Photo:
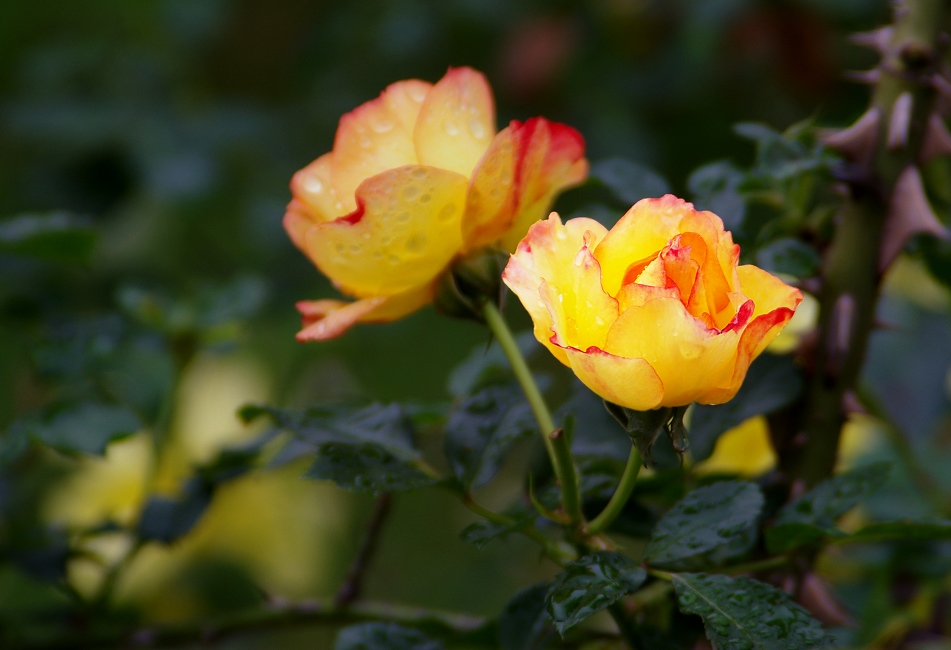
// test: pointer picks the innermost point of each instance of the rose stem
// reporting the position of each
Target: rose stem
(620, 496)
(560, 454)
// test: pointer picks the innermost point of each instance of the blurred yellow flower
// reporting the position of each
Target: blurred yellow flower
(744, 449)
(654, 312)
(416, 178)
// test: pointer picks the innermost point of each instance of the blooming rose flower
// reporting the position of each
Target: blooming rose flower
(416, 178)
(654, 312)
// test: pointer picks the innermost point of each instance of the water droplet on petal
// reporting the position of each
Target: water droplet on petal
(381, 126)
(410, 192)
(313, 184)
(450, 127)
(476, 128)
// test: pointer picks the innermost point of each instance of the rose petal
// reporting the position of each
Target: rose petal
(642, 232)
(404, 99)
(628, 382)
(543, 267)
(456, 122)
(517, 179)
(313, 188)
(687, 356)
(404, 233)
(327, 319)
(370, 139)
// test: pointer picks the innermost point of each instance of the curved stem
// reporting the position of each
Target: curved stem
(555, 441)
(556, 554)
(621, 494)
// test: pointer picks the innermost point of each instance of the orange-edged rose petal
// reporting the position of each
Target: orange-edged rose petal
(327, 319)
(516, 181)
(456, 122)
(628, 382)
(542, 269)
(403, 234)
(404, 99)
(313, 187)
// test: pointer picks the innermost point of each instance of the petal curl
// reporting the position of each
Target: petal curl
(517, 179)
(327, 319)
(641, 233)
(456, 122)
(629, 382)
(370, 139)
(687, 356)
(404, 232)
(542, 269)
(404, 99)
(313, 187)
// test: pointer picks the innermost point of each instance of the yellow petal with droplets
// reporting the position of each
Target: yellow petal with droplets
(404, 99)
(313, 187)
(688, 357)
(370, 139)
(403, 234)
(628, 382)
(456, 123)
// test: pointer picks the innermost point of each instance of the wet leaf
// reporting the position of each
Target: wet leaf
(629, 182)
(772, 382)
(590, 584)
(383, 636)
(744, 614)
(708, 526)
(366, 467)
(713, 187)
(482, 428)
(524, 623)
(906, 529)
(481, 533)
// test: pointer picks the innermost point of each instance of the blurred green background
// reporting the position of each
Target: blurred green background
(174, 126)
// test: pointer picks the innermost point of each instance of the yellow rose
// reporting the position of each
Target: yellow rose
(416, 178)
(654, 312)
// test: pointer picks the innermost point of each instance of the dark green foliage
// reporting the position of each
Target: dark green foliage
(744, 613)
(366, 467)
(589, 585)
(482, 428)
(383, 636)
(629, 182)
(707, 527)
(772, 382)
(789, 256)
(481, 533)
(813, 515)
(713, 187)
(57, 237)
(906, 529)
(87, 428)
(524, 623)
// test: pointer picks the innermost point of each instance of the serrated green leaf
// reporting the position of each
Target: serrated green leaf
(386, 426)
(832, 498)
(744, 614)
(366, 467)
(86, 429)
(708, 526)
(56, 236)
(628, 181)
(524, 623)
(590, 584)
(772, 382)
(790, 256)
(383, 636)
(482, 428)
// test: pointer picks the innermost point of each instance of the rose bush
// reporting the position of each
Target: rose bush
(416, 178)
(654, 312)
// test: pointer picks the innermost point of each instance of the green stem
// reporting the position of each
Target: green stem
(620, 496)
(555, 553)
(556, 443)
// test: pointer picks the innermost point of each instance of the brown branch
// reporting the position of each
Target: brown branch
(353, 585)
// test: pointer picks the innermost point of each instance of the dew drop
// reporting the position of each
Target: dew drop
(416, 243)
(599, 320)
(425, 198)
(402, 217)
(561, 297)
(355, 248)
(476, 128)
(410, 192)
(450, 127)
(313, 184)
(381, 126)
(393, 259)
(419, 173)
(447, 212)
(365, 141)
